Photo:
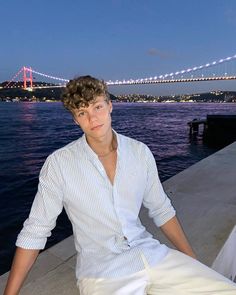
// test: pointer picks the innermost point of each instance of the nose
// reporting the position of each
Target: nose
(92, 116)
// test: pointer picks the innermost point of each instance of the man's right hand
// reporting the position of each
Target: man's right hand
(22, 263)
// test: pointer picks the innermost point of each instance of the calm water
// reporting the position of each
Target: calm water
(31, 131)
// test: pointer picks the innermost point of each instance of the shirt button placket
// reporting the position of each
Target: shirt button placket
(114, 194)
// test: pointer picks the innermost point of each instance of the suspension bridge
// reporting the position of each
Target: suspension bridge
(222, 69)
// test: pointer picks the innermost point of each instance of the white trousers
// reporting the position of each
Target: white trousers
(177, 274)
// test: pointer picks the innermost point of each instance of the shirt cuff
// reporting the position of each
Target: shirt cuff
(159, 221)
(27, 242)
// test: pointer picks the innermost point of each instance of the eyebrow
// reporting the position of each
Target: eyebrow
(93, 103)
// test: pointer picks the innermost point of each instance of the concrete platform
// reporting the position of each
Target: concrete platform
(204, 196)
(53, 272)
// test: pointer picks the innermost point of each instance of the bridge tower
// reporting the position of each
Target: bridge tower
(27, 76)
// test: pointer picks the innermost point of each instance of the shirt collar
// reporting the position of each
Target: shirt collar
(90, 153)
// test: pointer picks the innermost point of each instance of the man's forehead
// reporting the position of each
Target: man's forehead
(98, 98)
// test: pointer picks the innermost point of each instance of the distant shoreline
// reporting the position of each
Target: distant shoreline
(148, 101)
(54, 95)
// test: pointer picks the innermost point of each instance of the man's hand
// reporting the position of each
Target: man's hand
(22, 262)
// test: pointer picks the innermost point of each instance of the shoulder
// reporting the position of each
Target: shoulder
(66, 153)
(134, 145)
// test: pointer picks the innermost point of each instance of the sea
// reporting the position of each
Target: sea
(29, 132)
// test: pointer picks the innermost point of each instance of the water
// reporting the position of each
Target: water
(31, 131)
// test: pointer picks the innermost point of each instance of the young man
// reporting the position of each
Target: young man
(102, 179)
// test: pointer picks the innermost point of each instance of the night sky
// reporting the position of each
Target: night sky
(118, 39)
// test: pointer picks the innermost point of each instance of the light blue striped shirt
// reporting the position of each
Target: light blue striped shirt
(109, 237)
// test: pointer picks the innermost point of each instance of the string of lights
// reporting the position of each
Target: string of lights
(171, 75)
(214, 63)
(163, 77)
(151, 79)
(12, 80)
(48, 76)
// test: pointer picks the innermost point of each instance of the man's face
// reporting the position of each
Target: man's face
(95, 120)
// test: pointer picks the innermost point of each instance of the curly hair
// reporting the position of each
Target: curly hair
(83, 90)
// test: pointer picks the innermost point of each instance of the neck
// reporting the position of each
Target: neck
(103, 146)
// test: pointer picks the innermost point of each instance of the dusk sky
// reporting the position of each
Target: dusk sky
(118, 39)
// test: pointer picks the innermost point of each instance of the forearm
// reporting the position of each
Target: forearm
(22, 263)
(175, 234)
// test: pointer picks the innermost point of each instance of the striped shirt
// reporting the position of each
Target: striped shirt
(109, 237)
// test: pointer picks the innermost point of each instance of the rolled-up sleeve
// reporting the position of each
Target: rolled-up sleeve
(46, 207)
(155, 199)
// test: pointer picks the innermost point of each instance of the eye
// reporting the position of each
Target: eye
(81, 114)
(100, 106)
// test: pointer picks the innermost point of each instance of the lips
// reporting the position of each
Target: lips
(96, 127)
